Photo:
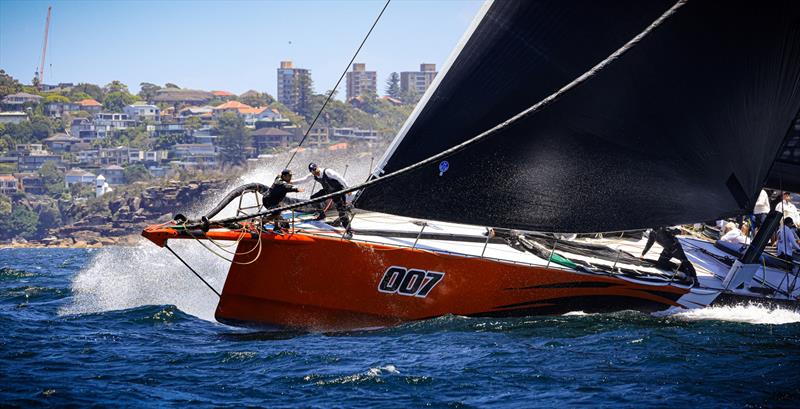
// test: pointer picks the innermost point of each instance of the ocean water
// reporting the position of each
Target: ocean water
(128, 327)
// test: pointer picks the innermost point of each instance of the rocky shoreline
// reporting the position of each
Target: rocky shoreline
(118, 220)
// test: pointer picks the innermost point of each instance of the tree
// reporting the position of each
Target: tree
(5, 206)
(52, 179)
(49, 217)
(304, 87)
(171, 85)
(89, 90)
(409, 96)
(234, 139)
(136, 172)
(41, 127)
(393, 85)
(55, 98)
(117, 100)
(22, 222)
(8, 85)
(256, 99)
(116, 86)
(147, 91)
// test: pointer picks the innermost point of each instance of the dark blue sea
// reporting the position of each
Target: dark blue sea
(130, 327)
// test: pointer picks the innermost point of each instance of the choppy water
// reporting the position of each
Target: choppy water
(126, 327)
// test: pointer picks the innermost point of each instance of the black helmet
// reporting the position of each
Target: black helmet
(286, 172)
(312, 167)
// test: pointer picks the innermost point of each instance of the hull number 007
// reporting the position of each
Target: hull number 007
(410, 282)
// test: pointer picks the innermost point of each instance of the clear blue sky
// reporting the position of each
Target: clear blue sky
(229, 45)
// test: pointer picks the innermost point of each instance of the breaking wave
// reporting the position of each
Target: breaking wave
(750, 314)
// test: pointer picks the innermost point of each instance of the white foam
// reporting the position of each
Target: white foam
(751, 314)
(128, 277)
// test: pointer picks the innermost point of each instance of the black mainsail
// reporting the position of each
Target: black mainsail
(683, 127)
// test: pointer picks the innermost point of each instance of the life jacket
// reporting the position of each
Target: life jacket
(328, 183)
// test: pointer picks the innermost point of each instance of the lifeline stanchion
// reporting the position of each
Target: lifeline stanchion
(192, 270)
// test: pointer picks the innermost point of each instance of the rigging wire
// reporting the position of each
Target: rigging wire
(333, 91)
(457, 148)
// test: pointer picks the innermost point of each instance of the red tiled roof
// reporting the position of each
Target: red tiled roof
(89, 103)
(233, 105)
(223, 93)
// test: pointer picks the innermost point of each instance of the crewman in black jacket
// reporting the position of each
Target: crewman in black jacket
(672, 249)
(277, 192)
(331, 182)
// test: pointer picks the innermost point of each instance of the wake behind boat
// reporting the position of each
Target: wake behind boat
(672, 114)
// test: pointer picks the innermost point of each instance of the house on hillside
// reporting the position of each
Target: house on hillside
(21, 98)
(114, 174)
(80, 176)
(8, 184)
(57, 109)
(267, 138)
(182, 96)
(31, 183)
(225, 95)
(13, 117)
(89, 105)
(60, 142)
(141, 111)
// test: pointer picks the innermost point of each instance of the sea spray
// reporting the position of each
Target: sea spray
(128, 277)
(745, 313)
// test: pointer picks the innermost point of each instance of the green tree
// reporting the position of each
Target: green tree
(171, 85)
(136, 172)
(5, 206)
(8, 85)
(116, 86)
(256, 99)
(89, 90)
(51, 98)
(49, 218)
(192, 124)
(52, 178)
(21, 223)
(409, 96)
(393, 85)
(147, 91)
(304, 88)
(78, 96)
(41, 127)
(117, 100)
(234, 139)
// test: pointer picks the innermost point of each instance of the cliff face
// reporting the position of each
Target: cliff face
(119, 217)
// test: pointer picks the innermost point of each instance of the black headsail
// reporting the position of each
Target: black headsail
(683, 127)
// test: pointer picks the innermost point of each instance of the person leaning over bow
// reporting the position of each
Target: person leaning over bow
(331, 182)
(275, 195)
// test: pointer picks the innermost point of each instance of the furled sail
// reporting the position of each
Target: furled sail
(683, 127)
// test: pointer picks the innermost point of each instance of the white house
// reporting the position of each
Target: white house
(140, 111)
(78, 175)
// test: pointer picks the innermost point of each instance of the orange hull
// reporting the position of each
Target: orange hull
(321, 283)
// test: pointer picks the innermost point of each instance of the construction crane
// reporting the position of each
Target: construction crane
(39, 77)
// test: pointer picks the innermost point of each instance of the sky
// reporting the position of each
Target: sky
(232, 45)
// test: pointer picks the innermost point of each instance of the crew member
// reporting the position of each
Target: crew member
(331, 182)
(277, 192)
(732, 234)
(672, 249)
(760, 210)
(788, 244)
